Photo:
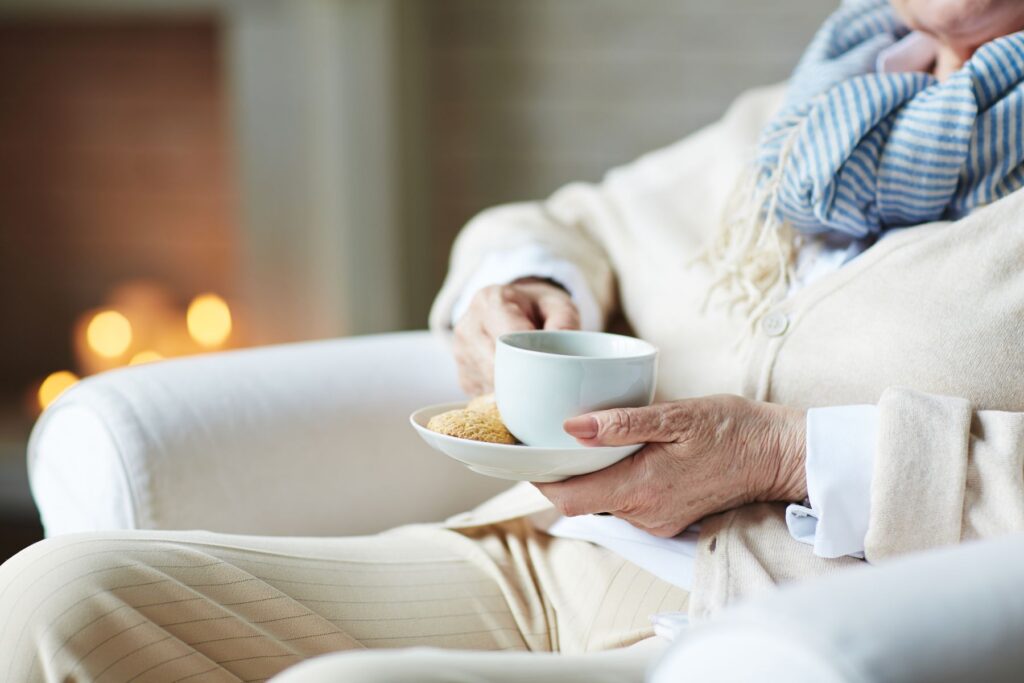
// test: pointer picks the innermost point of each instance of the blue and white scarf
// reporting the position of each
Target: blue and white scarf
(859, 152)
(853, 152)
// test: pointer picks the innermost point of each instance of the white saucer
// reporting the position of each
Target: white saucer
(519, 462)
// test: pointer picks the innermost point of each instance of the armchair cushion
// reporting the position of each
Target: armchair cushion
(299, 439)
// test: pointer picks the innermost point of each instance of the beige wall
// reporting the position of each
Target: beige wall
(524, 96)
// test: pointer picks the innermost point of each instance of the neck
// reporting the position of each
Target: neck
(947, 62)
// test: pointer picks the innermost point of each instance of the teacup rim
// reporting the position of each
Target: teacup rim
(650, 350)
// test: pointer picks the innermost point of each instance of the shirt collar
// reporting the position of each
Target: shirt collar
(914, 52)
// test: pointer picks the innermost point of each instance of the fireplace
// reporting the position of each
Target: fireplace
(118, 233)
(116, 200)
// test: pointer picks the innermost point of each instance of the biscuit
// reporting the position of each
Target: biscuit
(476, 425)
(484, 404)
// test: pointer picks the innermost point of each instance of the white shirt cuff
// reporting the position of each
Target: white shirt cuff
(531, 260)
(840, 460)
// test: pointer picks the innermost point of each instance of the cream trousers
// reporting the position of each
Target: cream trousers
(198, 607)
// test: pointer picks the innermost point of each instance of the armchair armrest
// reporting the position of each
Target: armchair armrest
(949, 614)
(307, 439)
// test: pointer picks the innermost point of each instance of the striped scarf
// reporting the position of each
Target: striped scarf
(857, 152)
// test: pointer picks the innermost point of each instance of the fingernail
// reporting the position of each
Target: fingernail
(582, 427)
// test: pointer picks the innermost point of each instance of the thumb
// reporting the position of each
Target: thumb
(622, 426)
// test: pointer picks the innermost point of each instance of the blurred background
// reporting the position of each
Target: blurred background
(182, 176)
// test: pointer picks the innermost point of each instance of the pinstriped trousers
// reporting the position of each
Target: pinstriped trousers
(197, 607)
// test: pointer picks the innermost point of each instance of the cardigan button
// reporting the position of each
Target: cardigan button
(775, 324)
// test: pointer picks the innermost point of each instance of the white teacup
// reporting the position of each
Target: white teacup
(542, 378)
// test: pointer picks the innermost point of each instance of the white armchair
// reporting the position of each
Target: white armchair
(950, 615)
(312, 439)
(301, 439)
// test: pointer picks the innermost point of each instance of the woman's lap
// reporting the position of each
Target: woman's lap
(165, 606)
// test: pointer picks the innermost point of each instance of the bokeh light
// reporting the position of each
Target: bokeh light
(109, 334)
(147, 356)
(54, 385)
(209, 320)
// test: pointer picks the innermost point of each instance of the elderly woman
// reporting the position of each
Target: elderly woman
(844, 307)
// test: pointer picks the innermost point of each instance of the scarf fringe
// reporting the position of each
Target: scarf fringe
(753, 255)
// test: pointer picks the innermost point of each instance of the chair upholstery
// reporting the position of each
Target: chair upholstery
(948, 615)
(302, 439)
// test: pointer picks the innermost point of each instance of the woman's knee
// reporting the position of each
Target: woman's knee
(48, 567)
(60, 591)
(57, 564)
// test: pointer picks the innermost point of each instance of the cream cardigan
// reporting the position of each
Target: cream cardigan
(927, 324)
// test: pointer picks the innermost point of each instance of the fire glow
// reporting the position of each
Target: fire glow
(209, 320)
(109, 334)
(54, 385)
(141, 324)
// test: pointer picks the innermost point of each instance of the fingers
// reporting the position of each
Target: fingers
(657, 423)
(591, 493)
(475, 360)
(558, 312)
(507, 310)
(497, 310)
(551, 304)
(471, 377)
(632, 489)
(493, 312)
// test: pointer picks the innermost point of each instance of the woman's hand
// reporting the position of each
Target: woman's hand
(703, 456)
(526, 304)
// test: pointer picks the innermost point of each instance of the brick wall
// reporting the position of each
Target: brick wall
(114, 164)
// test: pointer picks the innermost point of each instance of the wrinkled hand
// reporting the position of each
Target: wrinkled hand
(527, 304)
(703, 455)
